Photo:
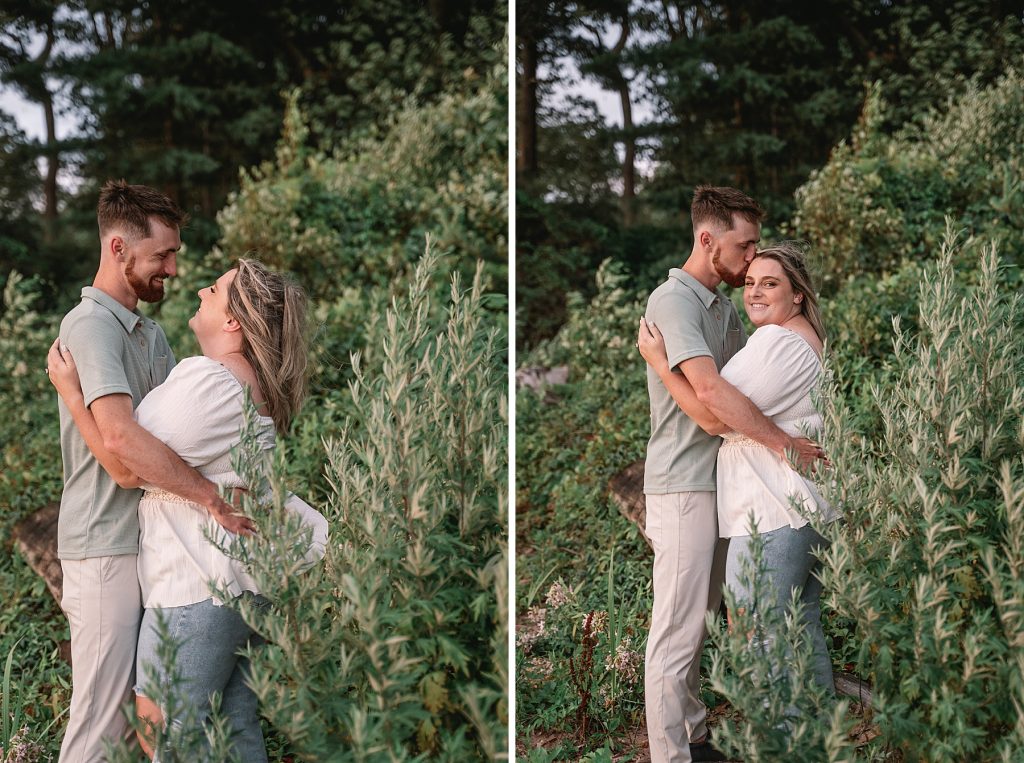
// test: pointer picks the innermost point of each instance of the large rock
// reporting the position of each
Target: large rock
(627, 490)
(36, 539)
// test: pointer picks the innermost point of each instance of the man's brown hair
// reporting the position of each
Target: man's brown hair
(719, 203)
(129, 208)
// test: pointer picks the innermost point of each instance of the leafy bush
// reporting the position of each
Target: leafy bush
(762, 665)
(395, 646)
(36, 687)
(872, 204)
(931, 503)
(358, 215)
(30, 428)
(882, 199)
(561, 244)
(572, 543)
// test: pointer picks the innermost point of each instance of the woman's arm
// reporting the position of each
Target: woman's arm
(60, 367)
(652, 348)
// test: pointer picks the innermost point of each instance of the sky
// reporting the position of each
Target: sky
(29, 116)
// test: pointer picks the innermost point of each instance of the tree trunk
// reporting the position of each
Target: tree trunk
(628, 139)
(36, 538)
(526, 117)
(42, 95)
(52, 165)
(627, 491)
(629, 160)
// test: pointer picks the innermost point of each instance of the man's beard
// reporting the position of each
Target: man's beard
(147, 292)
(734, 279)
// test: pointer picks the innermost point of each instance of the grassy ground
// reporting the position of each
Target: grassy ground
(33, 634)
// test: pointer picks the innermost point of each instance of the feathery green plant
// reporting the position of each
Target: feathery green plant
(395, 645)
(762, 665)
(928, 562)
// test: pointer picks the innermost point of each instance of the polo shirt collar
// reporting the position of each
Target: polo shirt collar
(128, 318)
(705, 295)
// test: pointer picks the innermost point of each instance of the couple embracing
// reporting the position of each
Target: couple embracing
(725, 411)
(131, 418)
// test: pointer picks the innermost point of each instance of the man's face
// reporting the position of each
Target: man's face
(150, 260)
(732, 250)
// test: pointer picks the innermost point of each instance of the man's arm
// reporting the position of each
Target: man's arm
(736, 411)
(86, 424)
(651, 344)
(686, 398)
(62, 374)
(156, 464)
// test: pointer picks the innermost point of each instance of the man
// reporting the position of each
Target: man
(702, 332)
(120, 356)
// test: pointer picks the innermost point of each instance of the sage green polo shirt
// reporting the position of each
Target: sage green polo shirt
(695, 322)
(116, 351)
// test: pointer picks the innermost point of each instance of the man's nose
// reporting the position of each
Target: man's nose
(171, 266)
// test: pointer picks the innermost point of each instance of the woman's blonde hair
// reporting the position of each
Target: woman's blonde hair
(271, 309)
(790, 255)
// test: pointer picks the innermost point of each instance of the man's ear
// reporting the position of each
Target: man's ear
(117, 247)
(706, 238)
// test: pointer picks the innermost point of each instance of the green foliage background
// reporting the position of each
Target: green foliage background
(399, 235)
(917, 229)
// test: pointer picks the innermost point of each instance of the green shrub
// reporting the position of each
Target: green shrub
(395, 646)
(883, 199)
(358, 215)
(930, 504)
(762, 665)
(29, 429)
(577, 557)
(872, 205)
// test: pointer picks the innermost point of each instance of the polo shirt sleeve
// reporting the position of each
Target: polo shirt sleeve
(678, 317)
(96, 343)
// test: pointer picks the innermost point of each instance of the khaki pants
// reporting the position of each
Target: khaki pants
(689, 567)
(104, 607)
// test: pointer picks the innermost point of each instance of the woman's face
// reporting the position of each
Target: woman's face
(768, 293)
(212, 315)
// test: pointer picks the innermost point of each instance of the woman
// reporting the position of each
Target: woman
(251, 328)
(776, 370)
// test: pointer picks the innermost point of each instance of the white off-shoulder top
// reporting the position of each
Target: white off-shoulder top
(198, 413)
(777, 370)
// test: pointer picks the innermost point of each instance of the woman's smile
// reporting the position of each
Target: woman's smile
(768, 294)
